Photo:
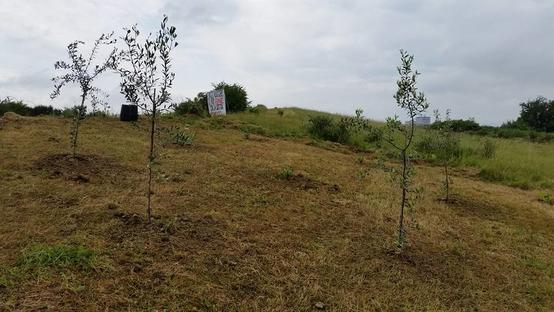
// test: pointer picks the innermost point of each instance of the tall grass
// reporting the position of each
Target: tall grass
(516, 162)
(293, 122)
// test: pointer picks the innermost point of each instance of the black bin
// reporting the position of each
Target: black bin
(128, 113)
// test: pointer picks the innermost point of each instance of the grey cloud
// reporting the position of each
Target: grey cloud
(478, 58)
(207, 12)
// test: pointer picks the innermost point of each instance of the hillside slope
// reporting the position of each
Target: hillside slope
(230, 235)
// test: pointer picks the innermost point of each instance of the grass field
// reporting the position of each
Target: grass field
(517, 162)
(230, 235)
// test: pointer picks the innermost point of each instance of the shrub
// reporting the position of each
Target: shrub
(285, 173)
(41, 110)
(18, 107)
(458, 125)
(323, 127)
(68, 112)
(355, 131)
(489, 149)
(435, 148)
(180, 136)
(197, 106)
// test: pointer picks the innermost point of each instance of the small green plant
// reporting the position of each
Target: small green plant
(489, 148)
(280, 112)
(546, 198)
(285, 173)
(57, 256)
(181, 136)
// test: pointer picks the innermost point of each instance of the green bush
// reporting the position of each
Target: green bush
(180, 136)
(354, 131)
(489, 149)
(440, 149)
(68, 112)
(285, 173)
(457, 125)
(197, 106)
(18, 107)
(41, 110)
(325, 128)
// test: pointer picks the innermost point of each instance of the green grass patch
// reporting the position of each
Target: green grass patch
(57, 256)
(514, 162)
(291, 123)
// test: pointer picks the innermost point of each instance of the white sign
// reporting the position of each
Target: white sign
(216, 102)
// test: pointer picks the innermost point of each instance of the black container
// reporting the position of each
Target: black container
(128, 113)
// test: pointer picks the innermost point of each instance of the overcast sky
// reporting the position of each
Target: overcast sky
(478, 58)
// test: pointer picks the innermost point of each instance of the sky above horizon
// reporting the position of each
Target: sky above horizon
(477, 58)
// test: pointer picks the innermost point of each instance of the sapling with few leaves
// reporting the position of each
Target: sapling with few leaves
(447, 149)
(145, 69)
(83, 71)
(401, 135)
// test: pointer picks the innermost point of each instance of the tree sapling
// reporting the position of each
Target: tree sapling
(81, 70)
(400, 136)
(147, 78)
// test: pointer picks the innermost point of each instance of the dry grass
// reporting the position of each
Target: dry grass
(229, 235)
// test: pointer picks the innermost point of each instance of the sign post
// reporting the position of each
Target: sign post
(216, 102)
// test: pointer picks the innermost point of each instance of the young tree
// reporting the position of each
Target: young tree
(147, 78)
(400, 136)
(442, 144)
(81, 70)
(447, 150)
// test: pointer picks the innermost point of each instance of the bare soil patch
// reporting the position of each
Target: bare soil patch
(304, 182)
(81, 168)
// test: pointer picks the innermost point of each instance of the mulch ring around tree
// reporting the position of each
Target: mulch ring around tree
(81, 168)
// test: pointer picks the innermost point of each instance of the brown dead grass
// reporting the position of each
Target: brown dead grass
(228, 235)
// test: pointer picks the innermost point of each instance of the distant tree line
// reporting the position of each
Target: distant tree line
(535, 123)
(19, 107)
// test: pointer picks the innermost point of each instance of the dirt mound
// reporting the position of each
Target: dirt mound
(81, 168)
(10, 116)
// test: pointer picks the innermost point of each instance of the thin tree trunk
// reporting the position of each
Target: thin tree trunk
(447, 182)
(76, 123)
(151, 163)
(403, 204)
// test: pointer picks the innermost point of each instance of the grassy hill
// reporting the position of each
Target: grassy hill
(260, 223)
